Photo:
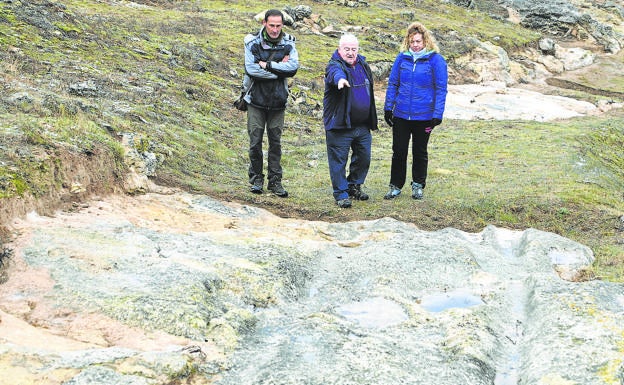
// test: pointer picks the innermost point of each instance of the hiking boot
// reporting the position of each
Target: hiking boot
(256, 188)
(393, 193)
(356, 193)
(417, 190)
(344, 203)
(277, 189)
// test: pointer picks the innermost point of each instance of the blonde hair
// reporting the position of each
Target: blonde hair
(419, 28)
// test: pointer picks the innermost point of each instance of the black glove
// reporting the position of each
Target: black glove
(435, 122)
(389, 117)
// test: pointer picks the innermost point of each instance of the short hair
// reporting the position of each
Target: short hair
(273, 12)
(348, 37)
(418, 28)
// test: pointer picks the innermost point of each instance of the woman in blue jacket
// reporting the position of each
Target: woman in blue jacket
(414, 105)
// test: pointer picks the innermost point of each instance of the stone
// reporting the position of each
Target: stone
(493, 100)
(87, 89)
(575, 57)
(487, 62)
(19, 98)
(547, 46)
(162, 288)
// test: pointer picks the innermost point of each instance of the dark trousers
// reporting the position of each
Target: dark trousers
(401, 133)
(358, 140)
(257, 121)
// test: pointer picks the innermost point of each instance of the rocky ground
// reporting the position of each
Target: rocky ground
(180, 288)
(498, 102)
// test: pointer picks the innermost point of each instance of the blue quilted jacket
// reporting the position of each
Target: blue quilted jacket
(417, 89)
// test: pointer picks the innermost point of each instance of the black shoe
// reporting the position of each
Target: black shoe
(277, 189)
(355, 192)
(344, 203)
(256, 188)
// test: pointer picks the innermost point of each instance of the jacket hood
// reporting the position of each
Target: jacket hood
(409, 54)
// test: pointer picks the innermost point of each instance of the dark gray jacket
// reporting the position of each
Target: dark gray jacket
(269, 87)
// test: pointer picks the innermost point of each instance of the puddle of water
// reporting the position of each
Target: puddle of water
(373, 313)
(558, 257)
(453, 299)
(508, 371)
(307, 348)
(507, 241)
(509, 374)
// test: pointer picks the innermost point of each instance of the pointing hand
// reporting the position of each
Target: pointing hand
(342, 83)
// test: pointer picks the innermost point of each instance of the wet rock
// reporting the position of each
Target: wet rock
(584, 21)
(155, 289)
(494, 100)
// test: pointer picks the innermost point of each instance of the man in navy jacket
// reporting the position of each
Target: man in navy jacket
(349, 115)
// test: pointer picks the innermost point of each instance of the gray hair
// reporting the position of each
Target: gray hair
(347, 38)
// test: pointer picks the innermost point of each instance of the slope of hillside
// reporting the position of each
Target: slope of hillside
(84, 81)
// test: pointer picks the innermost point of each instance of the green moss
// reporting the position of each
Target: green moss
(609, 373)
(67, 28)
(35, 137)
(20, 186)
(11, 184)
(6, 15)
(188, 318)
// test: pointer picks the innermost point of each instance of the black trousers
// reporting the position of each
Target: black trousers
(402, 131)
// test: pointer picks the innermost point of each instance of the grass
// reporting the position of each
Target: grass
(168, 72)
(513, 174)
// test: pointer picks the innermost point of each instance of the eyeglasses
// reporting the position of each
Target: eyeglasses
(349, 49)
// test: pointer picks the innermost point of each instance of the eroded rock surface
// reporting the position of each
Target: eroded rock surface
(494, 101)
(160, 288)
